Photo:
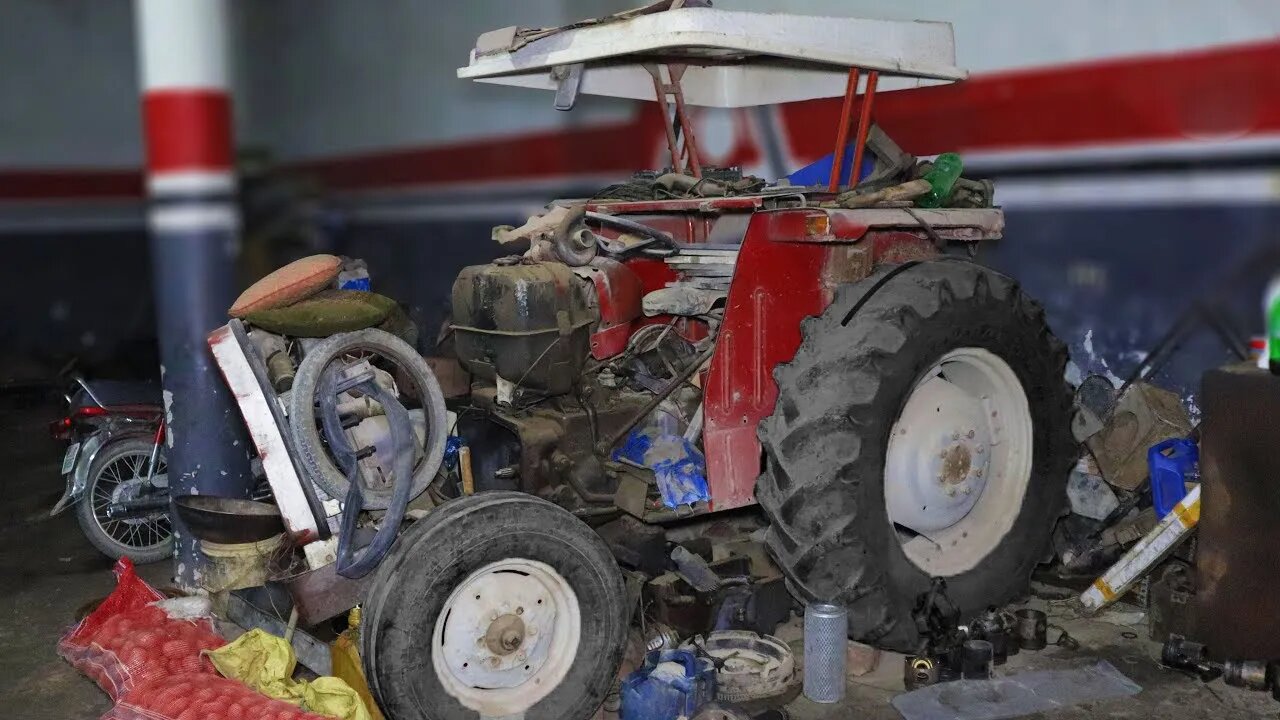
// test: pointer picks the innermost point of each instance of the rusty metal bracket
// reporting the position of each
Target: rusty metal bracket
(688, 160)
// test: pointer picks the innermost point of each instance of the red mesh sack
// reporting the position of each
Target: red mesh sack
(296, 281)
(129, 641)
(199, 696)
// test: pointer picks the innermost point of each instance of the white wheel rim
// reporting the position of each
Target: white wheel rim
(506, 636)
(959, 461)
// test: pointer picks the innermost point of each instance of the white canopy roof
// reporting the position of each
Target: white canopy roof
(736, 59)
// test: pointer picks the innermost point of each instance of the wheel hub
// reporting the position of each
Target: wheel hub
(506, 636)
(939, 457)
(958, 460)
(131, 489)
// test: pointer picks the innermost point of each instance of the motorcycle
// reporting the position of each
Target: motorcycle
(114, 468)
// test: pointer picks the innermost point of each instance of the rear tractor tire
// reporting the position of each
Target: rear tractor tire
(921, 430)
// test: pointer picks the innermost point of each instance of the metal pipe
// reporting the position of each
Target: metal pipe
(864, 126)
(690, 144)
(842, 131)
(633, 226)
(660, 91)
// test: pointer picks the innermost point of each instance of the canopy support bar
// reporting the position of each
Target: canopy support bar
(662, 90)
(846, 119)
(842, 131)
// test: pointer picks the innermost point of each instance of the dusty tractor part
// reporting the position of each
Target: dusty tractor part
(918, 672)
(1247, 674)
(418, 386)
(751, 669)
(825, 658)
(1180, 653)
(497, 604)
(1030, 629)
(572, 241)
(991, 626)
(976, 660)
(955, 365)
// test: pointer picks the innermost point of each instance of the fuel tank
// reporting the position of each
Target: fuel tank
(528, 323)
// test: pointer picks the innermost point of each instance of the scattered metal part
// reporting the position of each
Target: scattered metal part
(976, 660)
(991, 626)
(1064, 639)
(749, 667)
(1180, 653)
(918, 672)
(826, 629)
(1248, 674)
(312, 653)
(568, 79)
(1030, 629)
(1129, 635)
(661, 637)
(694, 570)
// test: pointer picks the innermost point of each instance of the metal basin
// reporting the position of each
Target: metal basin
(228, 520)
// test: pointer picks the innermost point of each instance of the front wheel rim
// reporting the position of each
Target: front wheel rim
(959, 461)
(506, 636)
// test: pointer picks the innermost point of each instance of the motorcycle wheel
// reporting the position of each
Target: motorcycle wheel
(119, 472)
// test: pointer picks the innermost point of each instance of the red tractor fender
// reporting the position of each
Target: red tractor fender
(789, 265)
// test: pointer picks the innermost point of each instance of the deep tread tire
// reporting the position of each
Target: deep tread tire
(439, 552)
(825, 444)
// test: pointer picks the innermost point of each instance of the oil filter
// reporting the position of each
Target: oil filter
(826, 637)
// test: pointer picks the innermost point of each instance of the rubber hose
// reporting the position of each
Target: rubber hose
(349, 563)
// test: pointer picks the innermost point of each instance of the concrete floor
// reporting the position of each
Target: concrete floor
(48, 571)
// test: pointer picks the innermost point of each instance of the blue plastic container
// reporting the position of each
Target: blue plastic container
(1170, 462)
(647, 695)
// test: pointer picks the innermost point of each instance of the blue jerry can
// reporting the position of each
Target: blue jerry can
(672, 684)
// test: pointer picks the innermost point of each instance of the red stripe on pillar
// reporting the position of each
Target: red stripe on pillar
(187, 130)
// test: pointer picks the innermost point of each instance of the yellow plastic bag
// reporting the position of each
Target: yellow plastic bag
(266, 663)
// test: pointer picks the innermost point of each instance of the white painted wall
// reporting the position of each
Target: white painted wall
(68, 87)
(322, 77)
(334, 76)
(1005, 34)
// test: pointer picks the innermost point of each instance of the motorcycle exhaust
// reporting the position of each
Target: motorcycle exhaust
(137, 508)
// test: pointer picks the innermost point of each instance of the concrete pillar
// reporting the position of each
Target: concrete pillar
(194, 225)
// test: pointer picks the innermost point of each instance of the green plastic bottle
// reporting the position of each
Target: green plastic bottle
(1271, 310)
(946, 170)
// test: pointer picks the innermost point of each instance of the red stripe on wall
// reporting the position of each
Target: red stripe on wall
(622, 147)
(187, 130)
(69, 184)
(1214, 94)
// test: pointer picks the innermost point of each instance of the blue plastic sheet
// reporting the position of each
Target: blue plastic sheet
(677, 464)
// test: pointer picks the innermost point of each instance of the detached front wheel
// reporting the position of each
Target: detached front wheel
(493, 605)
(922, 430)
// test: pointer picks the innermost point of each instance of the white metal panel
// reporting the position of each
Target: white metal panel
(273, 451)
(775, 57)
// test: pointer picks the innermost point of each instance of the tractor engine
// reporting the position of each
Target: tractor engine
(565, 369)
